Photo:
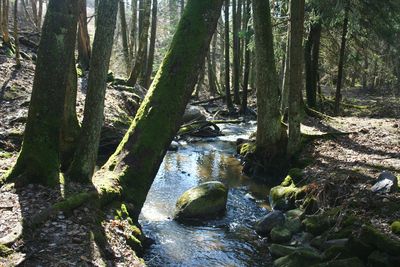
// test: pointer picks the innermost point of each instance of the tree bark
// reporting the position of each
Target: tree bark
(133, 38)
(135, 163)
(286, 75)
(271, 137)
(85, 156)
(140, 60)
(228, 98)
(236, 53)
(124, 35)
(6, 35)
(312, 63)
(338, 95)
(295, 80)
(35, 12)
(39, 159)
(16, 40)
(152, 46)
(84, 49)
(246, 56)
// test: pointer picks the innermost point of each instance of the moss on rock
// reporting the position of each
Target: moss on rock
(283, 196)
(280, 234)
(395, 226)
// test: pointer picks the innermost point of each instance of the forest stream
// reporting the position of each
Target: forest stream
(228, 241)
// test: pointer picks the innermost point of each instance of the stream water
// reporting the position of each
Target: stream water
(228, 241)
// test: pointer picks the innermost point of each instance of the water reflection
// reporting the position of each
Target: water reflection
(228, 241)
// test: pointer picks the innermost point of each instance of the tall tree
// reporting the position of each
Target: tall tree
(271, 136)
(85, 157)
(159, 117)
(124, 35)
(295, 76)
(246, 49)
(338, 95)
(312, 62)
(236, 52)
(132, 44)
(16, 40)
(84, 49)
(140, 61)
(152, 46)
(286, 74)
(6, 35)
(228, 98)
(39, 159)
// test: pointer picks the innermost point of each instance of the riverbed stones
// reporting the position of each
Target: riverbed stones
(283, 196)
(278, 250)
(387, 183)
(193, 113)
(265, 224)
(351, 262)
(280, 234)
(206, 201)
(298, 259)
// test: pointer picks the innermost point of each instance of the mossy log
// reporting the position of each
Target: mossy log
(131, 170)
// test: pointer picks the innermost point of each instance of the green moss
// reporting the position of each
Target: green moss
(336, 252)
(284, 195)
(6, 155)
(280, 234)
(374, 238)
(395, 226)
(351, 262)
(5, 251)
(74, 201)
(247, 148)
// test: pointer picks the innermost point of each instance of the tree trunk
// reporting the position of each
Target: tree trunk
(338, 95)
(35, 12)
(246, 57)
(39, 159)
(84, 49)
(236, 53)
(70, 125)
(124, 35)
(296, 78)
(6, 36)
(271, 137)
(140, 60)
(153, 33)
(137, 159)
(40, 14)
(85, 157)
(312, 63)
(16, 40)
(132, 45)
(228, 98)
(286, 75)
(1, 18)
(182, 6)
(210, 74)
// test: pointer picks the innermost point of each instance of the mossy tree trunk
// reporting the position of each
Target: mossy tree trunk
(70, 124)
(135, 163)
(84, 49)
(152, 46)
(296, 74)
(271, 136)
(85, 156)
(39, 159)
(140, 60)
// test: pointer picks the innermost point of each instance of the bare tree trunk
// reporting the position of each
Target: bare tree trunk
(210, 74)
(84, 49)
(124, 35)
(246, 57)
(159, 116)
(228, 98)
(140, 60)
(286, 75)
(85, 156)
(6, 36)
(35, 12)
(312, 63)
(40, 14)
(236, 53)
(132, 45)
(16, 40)
(338, 95)
(153, 33)
(296, 55)
(1, 18)
(182, 6)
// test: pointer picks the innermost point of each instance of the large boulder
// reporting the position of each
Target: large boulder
(269, 221)
(283, 196)
(208, 200)
(193, 113)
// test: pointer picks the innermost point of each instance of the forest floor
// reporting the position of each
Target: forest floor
(344, 168)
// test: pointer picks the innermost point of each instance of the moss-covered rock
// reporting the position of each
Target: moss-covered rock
(379, 259)
(374, 238)
(283, 196)
(293, 225)
(5, 251)
(336, 252)
(351, 262)
(269, 221)
(204, 201)
(277, 250)
(295, 214)
(298, 259)
(316, 224)
(296, 173)
(280, 234)
(395, 226)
